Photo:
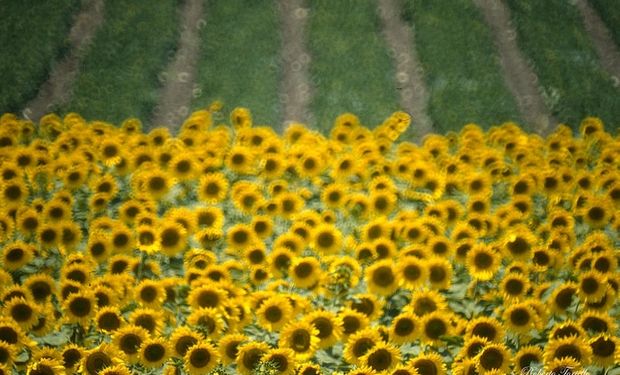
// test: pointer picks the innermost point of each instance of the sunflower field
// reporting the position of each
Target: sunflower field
(230, 249)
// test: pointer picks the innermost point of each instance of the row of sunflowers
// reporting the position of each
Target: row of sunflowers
(230, 249)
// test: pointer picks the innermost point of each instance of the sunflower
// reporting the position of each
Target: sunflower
(305, 271)
(289, 204)
(110, 150)
(213, 187)
(8, 353)
(154, 352)
(329, 327)
(482, 262)
(424, 302)
(41, 286)
(147, 318)
(108, 319)
(172, 237)
(274, 313)
(16, 255)
(514, 286)
(23, 311)
(597, 322)
(80, 307)
(240, 236)
(605, 350)
(521, 318)
(228, 347)
(240, 159)
(381, 357)
(301, 337)
(382, 278)
(208, 321)
(128, 340)
(28, 221)
(200, 358)
(565, 365)
(72, 354)
(527, 356)
(13, 192)
(121, 238)
(97, 359)
(249, 356)
(273, 166)
(78, 272)
(493, 357)
(155, 183)
(596, 213)
(434, 326)
(359, 343)
(150, 293)
(592, 286)
(70, 235)
(485, 327)
(429, 363)
(282, 359)
(326, 239)
(46, 366)
(566, 329)
(574, 347)
(439, 272)
(405, 328)
(183, 166)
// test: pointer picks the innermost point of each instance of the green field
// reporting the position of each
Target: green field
(119, 75)
(33, 35)
(351, 68)
(609, 11)
(461, 65)
(239, 58)
(566, 62)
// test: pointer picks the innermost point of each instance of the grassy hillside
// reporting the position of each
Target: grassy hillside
(33, 35)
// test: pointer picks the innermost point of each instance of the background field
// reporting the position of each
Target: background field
(350, 68)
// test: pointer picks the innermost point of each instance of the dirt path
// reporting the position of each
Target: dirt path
(175, 97)
(520, 78)
(607, 50)
(57, 89)
(295, 87)
(409, 73)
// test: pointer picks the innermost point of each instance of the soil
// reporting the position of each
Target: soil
(295, 87)
(520, 78)
(607, 50)
(409, 74)
(176, 94)
(57, 89)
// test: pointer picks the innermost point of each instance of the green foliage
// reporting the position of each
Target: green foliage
(351, 68)
(461, 64)
(239, 58)
(609, 11)
(118, 76)
(33, 34)
(565, 61)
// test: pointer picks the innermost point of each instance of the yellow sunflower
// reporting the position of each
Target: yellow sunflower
(301, 337)
(429, 363)
(128, 340)
(283, 359)
(228, 347)
(213, 187)
(381, 357)
(274, 313)
(16, 255)
(249, 355)
(382, 278)
(154, 352)
(482, 262)
(200, 358)
(329, 327)
(405, 327)
(305, 271)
